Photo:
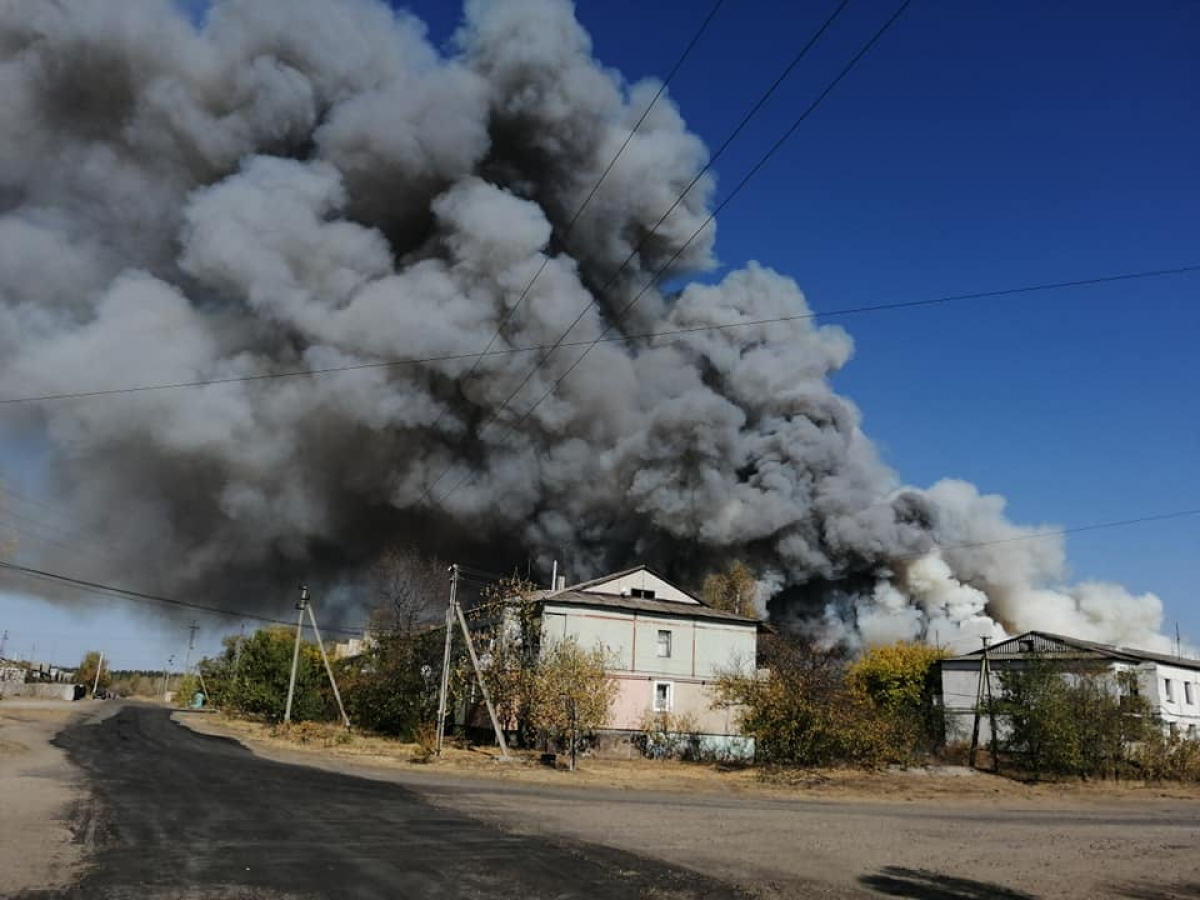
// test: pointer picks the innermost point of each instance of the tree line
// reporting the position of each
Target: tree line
(807, 704)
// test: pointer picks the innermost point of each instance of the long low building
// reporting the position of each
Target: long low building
(1171, 684)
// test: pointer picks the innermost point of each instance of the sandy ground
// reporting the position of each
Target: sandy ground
(40, 792)
(914, 835)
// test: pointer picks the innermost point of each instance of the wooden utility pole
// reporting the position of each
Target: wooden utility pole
(445, 684)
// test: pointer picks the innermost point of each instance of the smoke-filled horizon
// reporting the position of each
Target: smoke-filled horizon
(312, 184)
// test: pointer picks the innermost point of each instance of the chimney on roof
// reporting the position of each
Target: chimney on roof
(560, 583)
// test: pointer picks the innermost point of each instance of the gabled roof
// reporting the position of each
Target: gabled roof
(1062, 646)
(624, 573)
(572, 597)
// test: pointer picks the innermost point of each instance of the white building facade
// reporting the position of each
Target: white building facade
(665, 650)
(1171, 684)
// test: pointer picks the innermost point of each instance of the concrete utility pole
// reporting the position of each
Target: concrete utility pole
(237, 654)
(487, 699)
(3, 641)
(167, 677)
(99, 668)
(983, 696)
(301, 605)
(187, 659)
(445, 684)
(337, 695)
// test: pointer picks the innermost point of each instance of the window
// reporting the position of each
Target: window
(644, 593)
(1188, 698)
(664, 644)
(663, 696)
(1169, 689)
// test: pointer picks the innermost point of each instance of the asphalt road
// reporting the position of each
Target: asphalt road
(182, 815)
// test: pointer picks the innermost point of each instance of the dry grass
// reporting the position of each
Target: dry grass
(940, 785)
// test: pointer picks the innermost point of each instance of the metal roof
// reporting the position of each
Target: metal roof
(1063, 646)
(572, 597)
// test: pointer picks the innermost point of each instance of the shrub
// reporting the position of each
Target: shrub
(663, 735)
(425, 735)
(1168, 757)
(801, 712)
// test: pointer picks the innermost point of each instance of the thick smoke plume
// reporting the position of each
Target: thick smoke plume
(311, 184)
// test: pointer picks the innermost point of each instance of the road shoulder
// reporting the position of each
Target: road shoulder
(43, 833)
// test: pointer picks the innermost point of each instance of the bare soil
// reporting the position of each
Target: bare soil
(954, 784)
(40, 791)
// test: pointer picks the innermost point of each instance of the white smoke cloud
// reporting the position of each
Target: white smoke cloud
(311, 184)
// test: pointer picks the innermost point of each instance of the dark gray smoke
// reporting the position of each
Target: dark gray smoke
(311, 184)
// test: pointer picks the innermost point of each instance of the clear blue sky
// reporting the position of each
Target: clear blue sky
(979, 146)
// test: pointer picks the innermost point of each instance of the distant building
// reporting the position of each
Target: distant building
(12, 672)
(666, 648)
(1171, 684)
(352, 647)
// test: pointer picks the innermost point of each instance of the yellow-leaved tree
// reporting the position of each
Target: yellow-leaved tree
(900, 681)
(733, 590)
(572, 693)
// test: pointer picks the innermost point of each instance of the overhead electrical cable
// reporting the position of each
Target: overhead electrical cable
(645, 238)
(566, 232)
(92, 586)
(630, 338)
(653, 279)
(98, 587)
(1056, 532)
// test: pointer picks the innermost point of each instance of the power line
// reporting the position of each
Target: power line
(592, 193)
(652, 280)
(1059, 532)
(142, 596)
(753, 111)
(630, 338)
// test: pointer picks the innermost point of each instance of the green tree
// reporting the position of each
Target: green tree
(733, 590)
(85, 674)
(572, 693)
(1066, 717)
(392, 687)
(251, 677)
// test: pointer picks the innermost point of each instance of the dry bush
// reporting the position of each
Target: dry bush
(1165, 757)
(425, 735)
(664, 735)
(322, 734)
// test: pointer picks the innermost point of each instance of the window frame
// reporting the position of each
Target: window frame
(670, 696)
(1169, 690)
(659, 645)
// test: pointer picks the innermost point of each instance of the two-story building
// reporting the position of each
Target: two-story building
(1170, 684)
(665, 649)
